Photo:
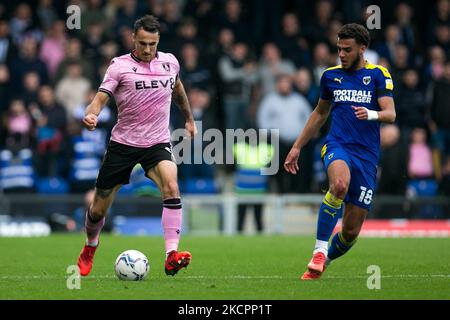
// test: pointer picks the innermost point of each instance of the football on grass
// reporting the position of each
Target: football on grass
(132, 265)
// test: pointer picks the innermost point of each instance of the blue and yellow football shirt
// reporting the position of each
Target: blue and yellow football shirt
(359, 88)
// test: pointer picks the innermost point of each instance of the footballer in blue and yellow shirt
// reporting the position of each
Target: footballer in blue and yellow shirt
(358, 95)
(355, 88)
(351, 138)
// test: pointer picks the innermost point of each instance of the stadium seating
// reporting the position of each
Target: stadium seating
(85, 165)
(427, 188)
(52, 185)
(16, 171)
(200, 186)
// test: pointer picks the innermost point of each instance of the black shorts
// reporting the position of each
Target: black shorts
(120, 159)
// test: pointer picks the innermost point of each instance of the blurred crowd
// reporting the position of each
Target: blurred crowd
(245, 64)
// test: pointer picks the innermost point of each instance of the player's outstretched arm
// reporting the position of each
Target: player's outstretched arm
(316, 120)
(387, 113)
(181, 100)
(93, 110)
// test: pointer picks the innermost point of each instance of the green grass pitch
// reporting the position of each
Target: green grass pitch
(238, 267)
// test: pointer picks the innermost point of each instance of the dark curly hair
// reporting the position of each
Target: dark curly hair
(148, 22)
(355, 31)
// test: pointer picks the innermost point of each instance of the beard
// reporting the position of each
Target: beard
(355, 64)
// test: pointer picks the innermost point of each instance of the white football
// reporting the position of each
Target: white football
(132, 265)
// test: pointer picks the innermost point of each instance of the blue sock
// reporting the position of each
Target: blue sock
(339, 246)
(329, 214)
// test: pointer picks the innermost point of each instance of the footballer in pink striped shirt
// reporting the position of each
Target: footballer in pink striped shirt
(143, 83)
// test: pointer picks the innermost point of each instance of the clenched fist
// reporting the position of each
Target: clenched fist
(191, 129)
(90, 121)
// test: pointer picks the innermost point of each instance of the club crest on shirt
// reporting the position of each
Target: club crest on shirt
(166, 66)
(366, 80)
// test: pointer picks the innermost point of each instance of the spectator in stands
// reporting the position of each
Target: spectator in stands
(401, 63)
(387, 47)
(53, 46)
(170, 22)
(251, 157)
(292, 41)
(93, 40)
(408, 32)
(19, 127)
(126, 40)
(319, 22)
(93, 14)
(287, 111)
(233, 19)
(304, 85)
(193, 72)
(238, 74)
(51, 122)
(321, 61)
(74, 54)
(5, 90)
(126, 15)
(22, 24)
(72, 89)
(420, 163)
(440, 112)
(393, 170)
(155, 7)
(440, 15)
(442, 37)
(355, 11)
(27, 61)
(332, 35)
(222, 46)
(271, 66)
(203, 114)
(202, 12)
(265, 19)
(188, 34)
(410, 103)
(7, 46)
(46, 14)
(435, 66)
(422, 172)
(109, 50)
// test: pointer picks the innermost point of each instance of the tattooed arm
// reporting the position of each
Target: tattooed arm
(181, 100)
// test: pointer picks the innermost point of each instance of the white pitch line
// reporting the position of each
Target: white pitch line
(325, 276)
(43, 277)
(393, 276)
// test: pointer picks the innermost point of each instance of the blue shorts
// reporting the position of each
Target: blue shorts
(363, 173)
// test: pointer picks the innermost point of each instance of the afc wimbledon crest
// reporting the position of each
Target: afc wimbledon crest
(366, 80)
